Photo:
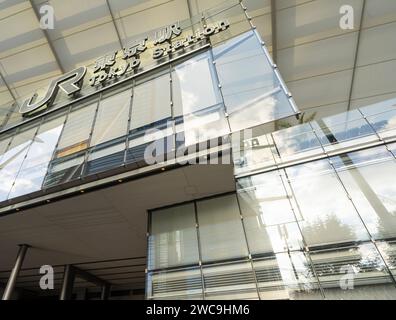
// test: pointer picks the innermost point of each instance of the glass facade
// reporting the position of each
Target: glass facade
(324, 229)
(313, 211)
(313, 217)
(146, 120)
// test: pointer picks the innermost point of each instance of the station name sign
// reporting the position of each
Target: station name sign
(166, 42)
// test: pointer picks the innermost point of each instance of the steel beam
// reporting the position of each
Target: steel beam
(115, 26)
(274, 32)
(15, 271)
(356, 55)
(68, 282)
(105, 294)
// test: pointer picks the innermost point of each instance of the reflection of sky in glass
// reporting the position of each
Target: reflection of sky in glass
(11, 162)
(328, 215)
(251, 90)
(296, 139)
(366, 175)
(268, 213)
(34, 167)
(194, 87)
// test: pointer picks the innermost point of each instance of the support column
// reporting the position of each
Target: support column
(15, 271)
(68, 282)
(105, 294)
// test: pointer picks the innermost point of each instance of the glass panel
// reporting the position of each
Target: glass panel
(150, 146)
(382, 116)
(297, 142)
(198, 111)
(74, 140)
(173, 237)
(112, 118)
(108, 140)
(12, 159)
(250, 154)
(229, 281)
(388, 252)
(327, 215)
(202, 126)
(220, 229)
(353, 273)
(35, 165)
(368, 176)
(286, 276)
(392, 148)
(151, 102)
(150, 137)
(384, 124)
(268, 217)
(344, 130)
(252, 92)
(77, 130)
(177, 284)
(194, 86)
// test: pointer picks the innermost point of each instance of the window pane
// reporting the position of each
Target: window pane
(353, 273)
(35, 165)
(220, 229)
(202, 126)
(177, 284)
(73, 143)
(77, 129)
(229, 281)
(112, 118)
(13, 158)
(194, 86)
(198, 111)
(252, 92)
(327, 215)
(388, 252)
(382, 116)
(297, 142)
(392, 148)
(344, 130)
(368, 176)
(151, 115)
(267, 214)
(108, 140)
(151, 102)
(286, 276)
(250, 154)
(173, 237)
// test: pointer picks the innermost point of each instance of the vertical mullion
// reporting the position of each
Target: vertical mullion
(88, 151)
(199, 249)
(146, 271)
(26, 154)
(57, 144)
(129, 122)
(247, 245)
(172, 104)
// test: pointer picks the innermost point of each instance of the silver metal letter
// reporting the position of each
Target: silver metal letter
(69, 83)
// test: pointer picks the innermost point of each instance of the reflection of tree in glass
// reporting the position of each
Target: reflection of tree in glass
(327, 229)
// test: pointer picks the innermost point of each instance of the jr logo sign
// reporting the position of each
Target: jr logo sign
(69, 83)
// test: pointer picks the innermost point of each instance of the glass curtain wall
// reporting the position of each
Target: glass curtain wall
(185, 106)
(320, 230)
